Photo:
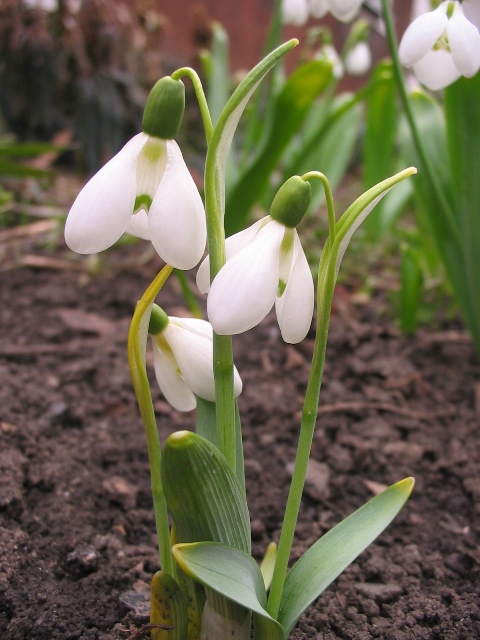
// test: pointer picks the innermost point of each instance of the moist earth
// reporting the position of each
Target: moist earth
(77, 537)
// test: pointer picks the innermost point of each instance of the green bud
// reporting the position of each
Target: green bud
(158, 320)
(291, 202)
(164, 109)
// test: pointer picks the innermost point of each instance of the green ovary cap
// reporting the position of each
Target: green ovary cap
(164, 109)
(158, 320)
(291, 202)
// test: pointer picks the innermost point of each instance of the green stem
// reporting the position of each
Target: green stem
(136, 362)
(312, 175)
(422, 154)
(202, 100)
(326, 286)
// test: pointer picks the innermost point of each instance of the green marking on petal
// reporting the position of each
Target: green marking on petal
(282, 285)
(142, 202)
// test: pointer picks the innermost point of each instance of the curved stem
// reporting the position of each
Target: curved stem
(422, 154)
(312, 175)
(202, 100)
(326, 286)
(136, 362)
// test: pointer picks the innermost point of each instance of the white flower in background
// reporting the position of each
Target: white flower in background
(44, 5)
(359, 59)
(183, 360)
(294, 12)
(441, 46)
(328, 52)
(148, 175)
(343, 10)
(265, 266)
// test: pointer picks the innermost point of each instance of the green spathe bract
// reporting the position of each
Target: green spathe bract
(164, 109)
(158, 320)
(291, 202)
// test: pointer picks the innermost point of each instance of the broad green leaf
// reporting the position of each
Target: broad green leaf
(462, 110)
(219, 80)
(203, 495)
(329, 556)
(380, 134)
(291, 107)
(231, 573)
(168, 609)
(205, 420)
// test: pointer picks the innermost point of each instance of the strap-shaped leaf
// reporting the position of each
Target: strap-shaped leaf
(203, 495)
(168, 609)
(329, 556)
(291, 107)
(233, 574)
(228, 120)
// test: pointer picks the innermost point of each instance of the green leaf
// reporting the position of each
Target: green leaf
(222, 137)
(231, 573)
(291, 107)
(268, 564)
(380, 134)
(338, 548)
(168, 609)
(219, 80)
(462, 110)
(205, 420)
(411, 282)
(203, 495)
(359, 210)
(16, 169)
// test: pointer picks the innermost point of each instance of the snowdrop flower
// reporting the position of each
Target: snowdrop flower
(328, 52)
(343, 10)
(295, 12)
(183, 359)
(441, 46)
(265, 266)
(145, 190)
(359, 59)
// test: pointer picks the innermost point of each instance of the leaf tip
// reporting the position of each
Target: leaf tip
(406, 485)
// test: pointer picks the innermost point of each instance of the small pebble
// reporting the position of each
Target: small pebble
(137, 604)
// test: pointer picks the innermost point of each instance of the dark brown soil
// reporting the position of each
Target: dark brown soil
(77, 540)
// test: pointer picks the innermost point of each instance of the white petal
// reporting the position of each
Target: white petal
(138, 225)
(295, 308)
(421, 35)
(151, 166)
(244, 290)
(344, 10)
(100, 214)
(294, 12)
(194, 356)
(436, 70)
(464, 41)
(359, 59)
(177, 217)
(171, 383)
(233, 244)
(195, 325)
(318, 8)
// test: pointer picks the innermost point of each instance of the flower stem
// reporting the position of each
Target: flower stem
(202, 100)
(326, 286)
(137, 337)
(402, 89)
(311, 175)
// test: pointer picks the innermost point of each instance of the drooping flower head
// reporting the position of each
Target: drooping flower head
(441, 46)
(183, 359)
(145, 190)
(296, 12)
(265, 266)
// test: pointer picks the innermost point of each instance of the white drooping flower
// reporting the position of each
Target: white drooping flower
(359, 59)
(295, 12)
(145, 190)
(183, 361)
(265, 266)
(441, 46)
(329, 53)
(343, 10)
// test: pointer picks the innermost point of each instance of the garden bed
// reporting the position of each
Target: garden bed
(77, 538)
